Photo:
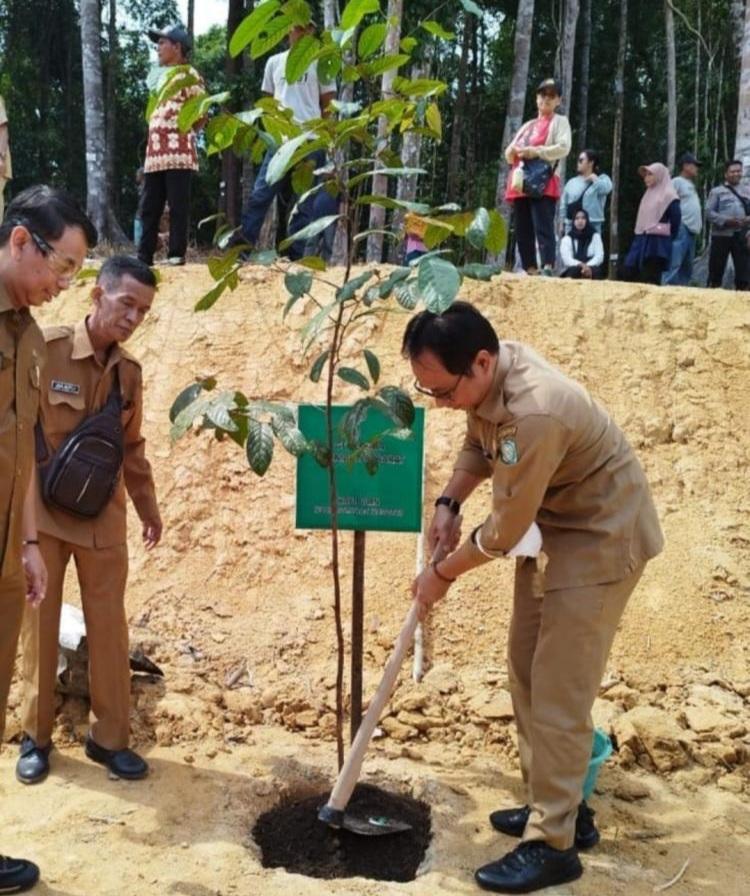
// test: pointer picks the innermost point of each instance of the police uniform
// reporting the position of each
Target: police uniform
(22, 354)
(75, 384)
(555, 457)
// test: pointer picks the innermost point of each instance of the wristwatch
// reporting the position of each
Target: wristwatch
(451, 503)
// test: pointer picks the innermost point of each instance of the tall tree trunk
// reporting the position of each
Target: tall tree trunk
(517, 97)
(231, 165)
(742, 136)
(671, 86)
(380, 182)
(93, 94)
(459, 111)
(583, 86)
(614, 208)
(191, 18)
(567, 58)
(111, 107)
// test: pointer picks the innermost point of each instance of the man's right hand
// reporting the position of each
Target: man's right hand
(445, 529)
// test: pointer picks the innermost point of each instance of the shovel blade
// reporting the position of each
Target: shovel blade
(374, 826)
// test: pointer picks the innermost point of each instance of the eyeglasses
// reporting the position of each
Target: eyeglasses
(583, 158)
(439, 394)
(65, 268)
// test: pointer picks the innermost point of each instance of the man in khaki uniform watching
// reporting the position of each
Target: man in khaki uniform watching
(556, 459)
(77, 381)
(6, 172)
(43, 243)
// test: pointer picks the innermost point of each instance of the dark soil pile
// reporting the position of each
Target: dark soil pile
(291, 837)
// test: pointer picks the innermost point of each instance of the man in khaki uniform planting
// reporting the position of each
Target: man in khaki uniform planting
(556, 458)
(78, 379)
(43, 242)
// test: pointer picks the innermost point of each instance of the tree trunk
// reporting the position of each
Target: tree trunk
(96, 178)
(567, 58)
(459, 112)
(742, 137)
(671, 86)
(617, 138)
(111, 108)
(231, 165)
(379, 182)
(517, 97)
(583, 87)
(330, 14)
(191, 18)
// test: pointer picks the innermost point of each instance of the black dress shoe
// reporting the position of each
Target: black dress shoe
(531, 866)
(33, 763)
(123, 763)
(17, 875)
(513, 823)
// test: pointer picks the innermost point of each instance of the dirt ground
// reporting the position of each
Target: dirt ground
(235, 606)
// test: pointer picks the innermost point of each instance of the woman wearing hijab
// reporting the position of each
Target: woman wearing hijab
(545, 137)
(656, 226)
(581, 249)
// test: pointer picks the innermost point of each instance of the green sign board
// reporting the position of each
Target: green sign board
(388, 501)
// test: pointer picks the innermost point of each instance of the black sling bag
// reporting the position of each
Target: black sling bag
(81, 476)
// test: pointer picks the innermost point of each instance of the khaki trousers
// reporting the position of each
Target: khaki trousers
(12, 601)
(557, 654)
(102, 575)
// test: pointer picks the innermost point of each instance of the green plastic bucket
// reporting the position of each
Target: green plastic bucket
(601, 748)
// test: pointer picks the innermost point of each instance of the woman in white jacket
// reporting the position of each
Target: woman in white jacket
(582, 250)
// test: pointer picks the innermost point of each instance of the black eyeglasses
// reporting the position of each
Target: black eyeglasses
(65, 268)
(439, 394)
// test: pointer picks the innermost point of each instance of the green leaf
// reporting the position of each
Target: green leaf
(282, 158)
(419, 87)
(272, 34)
(438, 282)
(384, 64)
(434, 120)
(471, 6)
(399, 403)
(297, 284)
(480, 271)
(408, 44)
(406, 295)
(265, 257)
(310, 231)
(497, 235)
(386, 172)
(317, 369)
(298, 11)
(212, 296)
(350, 375)
(373, 365)
(251, 26)
(301, 57)
(185, 398)
(352, 421)
(259, 447)
(290, 436)
(437, 29)
(321, 452)
(217, 412)
(397, 275)
(314, 262)
(303, 177)
(355, 11)
(479, 228)
(371, 39)
(349, 289)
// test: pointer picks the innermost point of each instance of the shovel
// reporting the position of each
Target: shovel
(334, 812)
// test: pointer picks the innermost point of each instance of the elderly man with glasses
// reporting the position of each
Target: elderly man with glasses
(43, 243)
(556, 459)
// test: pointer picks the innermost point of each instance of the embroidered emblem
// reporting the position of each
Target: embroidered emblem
(508, 450)
(65, 388)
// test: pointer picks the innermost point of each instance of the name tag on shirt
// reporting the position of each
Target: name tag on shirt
(65, 388)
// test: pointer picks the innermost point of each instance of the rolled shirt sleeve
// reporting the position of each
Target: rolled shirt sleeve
(529, 453)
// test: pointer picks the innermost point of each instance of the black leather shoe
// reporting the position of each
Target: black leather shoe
(33, 763)
(531, 866)
(123, 763)
(513, 823)
(17, 875)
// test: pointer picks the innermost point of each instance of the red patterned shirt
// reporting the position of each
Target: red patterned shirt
(168, 147)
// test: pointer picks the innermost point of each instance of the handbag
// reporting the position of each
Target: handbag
(572, 208)
(81, 476)
(536, 175)
(663, 228)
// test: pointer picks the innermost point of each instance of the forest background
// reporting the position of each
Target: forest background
(671, 81)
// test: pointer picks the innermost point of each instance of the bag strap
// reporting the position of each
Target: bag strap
(113, 405)
(744, 201)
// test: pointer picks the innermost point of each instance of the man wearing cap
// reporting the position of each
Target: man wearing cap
(5, 168)
(43, 243)
(308, 99)
(171, 156)
(84, 363)
(556, 459)
(728, 211)
(680, 271)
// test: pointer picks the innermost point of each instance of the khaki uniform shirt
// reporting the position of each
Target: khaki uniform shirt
(21, 358)
(74, 386)
(556, 457)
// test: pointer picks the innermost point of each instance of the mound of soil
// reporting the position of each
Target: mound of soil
(291, 837)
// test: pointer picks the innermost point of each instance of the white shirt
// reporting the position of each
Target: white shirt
(595, 252)
(303, 96)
